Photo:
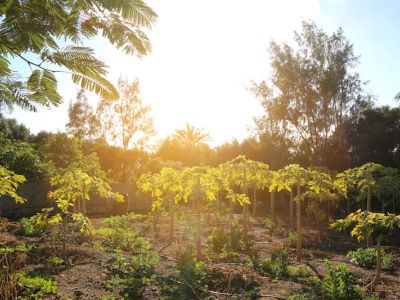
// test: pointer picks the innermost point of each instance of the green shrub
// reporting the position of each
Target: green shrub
(134, 273)
(304, 296)
(124, 239)
(28, 227)
(235, 241)
(366, 258)
(274, 227)
(123, 222)
(17, 248)
(276, 266)
(292, 239)
(218, 240)
(34, 286)
(340, 284)
(192, 275)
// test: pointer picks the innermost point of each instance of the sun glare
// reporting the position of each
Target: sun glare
(205, 54)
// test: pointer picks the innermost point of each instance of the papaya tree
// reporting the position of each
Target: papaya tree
(295, 176)
(172, 191)
(389, 187)
(346, 186)
(367, 179)
(152, 184)
(369, 225)
(70, 186)
(9, 182)
(260, 178)
(220, 177)
(241, 174)
(199, 186)
(320, 190)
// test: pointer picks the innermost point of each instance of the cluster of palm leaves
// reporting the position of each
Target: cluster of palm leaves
(48, 35)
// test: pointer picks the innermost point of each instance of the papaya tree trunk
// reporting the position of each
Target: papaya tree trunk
(254, 202)
(377, 277)
(64, 242)
(394, 204)
(369, 209)
(245, 223)
(369, 199)
(273, 206)
(171, 221)
(298, 225)
(291, 209)
(198, 229)
(217, 211)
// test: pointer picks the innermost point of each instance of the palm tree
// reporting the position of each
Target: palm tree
(191, 136)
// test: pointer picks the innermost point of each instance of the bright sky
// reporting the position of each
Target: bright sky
(205, 53)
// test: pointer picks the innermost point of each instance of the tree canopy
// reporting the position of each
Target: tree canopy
(49, 37)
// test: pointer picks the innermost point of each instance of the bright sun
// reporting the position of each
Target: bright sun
(205, 54)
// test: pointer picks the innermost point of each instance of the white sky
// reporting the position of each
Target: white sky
(205, 53)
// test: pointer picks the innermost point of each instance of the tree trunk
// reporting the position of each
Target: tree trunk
(171, 221)
(394, 204)
(254, 202)
(298, 217)
(64, 243)
(245, 223)
(369, 209)
(198, 229)
(369, 199)
(348, 205)
(273, 206)
(291, 209)
(328, 213)
(377, 277)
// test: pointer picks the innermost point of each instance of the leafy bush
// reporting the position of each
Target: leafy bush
(217, 240)
(340, 284)
(17, 248)
(366, 258)
(33, 285)
(123, 222)
(28, 227)
(192, 275)
(276, 266)
(124, 239)
(134, 273)
(274, 227)
(292, 239)
(304, 296)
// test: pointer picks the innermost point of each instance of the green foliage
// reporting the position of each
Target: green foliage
(120, 232)
(292, 239)
(127, 221)
(192, 275)
(366, 258)
(217, 240)
(21, 158)
(38, 224)
(127, 240)
(276, 266)
(9, 182)
(367, 224)
(274, 227)
(35, 286)
(340, 284)
(304, 296)
(27, 228)
(134, 273)
(31, 32)
(18, 248)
